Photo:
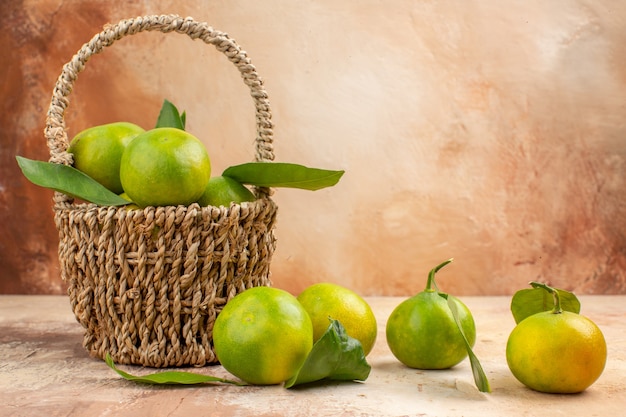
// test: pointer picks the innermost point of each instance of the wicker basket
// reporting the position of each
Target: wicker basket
(148, 284)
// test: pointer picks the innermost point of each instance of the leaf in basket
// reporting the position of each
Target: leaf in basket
(282, 174)
(335, 356)
(68, 180)
(169, 377)
(169, 116)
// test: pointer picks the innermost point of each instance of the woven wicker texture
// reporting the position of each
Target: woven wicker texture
(148, 284)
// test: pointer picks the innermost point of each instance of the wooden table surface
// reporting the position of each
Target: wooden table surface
(44, 371)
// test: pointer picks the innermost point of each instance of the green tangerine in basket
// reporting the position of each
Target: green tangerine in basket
(164, 166)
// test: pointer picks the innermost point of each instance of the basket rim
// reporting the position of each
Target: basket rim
(86, 207)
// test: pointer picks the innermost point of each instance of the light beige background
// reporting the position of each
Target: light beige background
(490, 131)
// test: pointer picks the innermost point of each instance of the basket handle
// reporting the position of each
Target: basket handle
(55, 131)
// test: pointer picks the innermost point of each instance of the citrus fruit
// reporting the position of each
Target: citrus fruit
(221, 191)
(131, 206)
(326, 300)
(126, 197)
(165, 167)
(422, 333)
(98, 150)
(556, 351)
(263, 336)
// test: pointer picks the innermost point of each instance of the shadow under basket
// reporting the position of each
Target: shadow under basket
(147, 284)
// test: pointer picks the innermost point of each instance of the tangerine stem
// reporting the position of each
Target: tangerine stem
(431, 276)
(555, 295)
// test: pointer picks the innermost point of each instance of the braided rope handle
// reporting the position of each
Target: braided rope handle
(55, 131)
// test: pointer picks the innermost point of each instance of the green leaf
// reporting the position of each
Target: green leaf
(170, 117)
(170, 377)
(283, 174)
(68, 180)
(480, 379)
(335, 356)
(530, 301)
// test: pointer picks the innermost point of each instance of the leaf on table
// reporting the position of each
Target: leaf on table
(283, 174)
(335, 356)
(68, 180)
(530, 301)
(170, 377)
(169, 116)
(480, 379)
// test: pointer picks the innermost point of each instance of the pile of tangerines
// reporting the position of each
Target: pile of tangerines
(264, 335)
